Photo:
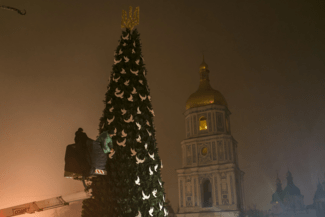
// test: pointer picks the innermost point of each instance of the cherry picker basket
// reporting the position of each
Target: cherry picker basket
(87, 158)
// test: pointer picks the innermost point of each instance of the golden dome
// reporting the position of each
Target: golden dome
(203, 65)
(205, 95)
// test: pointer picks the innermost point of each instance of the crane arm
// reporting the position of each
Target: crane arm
(42, 205)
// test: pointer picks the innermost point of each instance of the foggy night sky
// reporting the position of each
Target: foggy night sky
(265, 57)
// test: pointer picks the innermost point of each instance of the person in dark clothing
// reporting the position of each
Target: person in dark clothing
(81, 137)
(81, 143)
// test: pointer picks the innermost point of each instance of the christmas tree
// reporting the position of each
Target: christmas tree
(133, 185)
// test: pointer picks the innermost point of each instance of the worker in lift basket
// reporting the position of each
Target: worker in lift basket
(103, 139)
(91, 150)
(81, 143)
(81, 137)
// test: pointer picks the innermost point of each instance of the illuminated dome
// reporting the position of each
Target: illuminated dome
(203, 65)
(205, 95)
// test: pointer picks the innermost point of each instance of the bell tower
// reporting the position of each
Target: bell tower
(210, 180)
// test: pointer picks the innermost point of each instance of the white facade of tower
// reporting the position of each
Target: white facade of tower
(210, 182)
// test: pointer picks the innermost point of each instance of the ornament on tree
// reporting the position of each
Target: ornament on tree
(149, 97)
(123, 71)
(123, 111)
(101, 126)
(116, 80)
(123, 134)
(130, 98)
(111, 154)
(141, 82)
(145, 197)
(137, 182)
(109, 121)
(152, 156)
(121, 143)
(117, 90)
(142, 97)
(116, 61)
(119, 95)
(149, 133)
(154, 192)
(146, 146)
(151, 111)
(134, 91)
(134, 72)
(138, 111)
(129, 120)
(139, 139)
(124, 44)
(156, 167)
(138, 160)
(160, 206)
(166, 212)
(111, 109)
(138, 125)
(111, 135)
(137, 62)
(127, 83)
(160, 183)
(151, 211)
(133, 51)
(133, 152)
(120, 52)
(110, 101)
(126, 59)
(126, 37)
(161, 164)
(139, 214)
(148, 123)
(150, 171)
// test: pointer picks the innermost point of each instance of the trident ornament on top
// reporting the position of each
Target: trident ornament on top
(130, 22)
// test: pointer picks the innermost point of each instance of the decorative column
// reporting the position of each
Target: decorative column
(182, 192)
(234, 187)
(219, 188)
(196, 190)
(229, 188)
(213, 190)
(184, 155)
(242, 188)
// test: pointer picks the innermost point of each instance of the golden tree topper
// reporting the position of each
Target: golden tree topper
(130, 22)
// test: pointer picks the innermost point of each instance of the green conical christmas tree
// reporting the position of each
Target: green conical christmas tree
(133, 185)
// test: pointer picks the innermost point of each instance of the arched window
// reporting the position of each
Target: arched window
(206, 194)
(203, 123)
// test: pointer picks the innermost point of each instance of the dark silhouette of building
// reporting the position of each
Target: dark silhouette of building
(290, 202)
(319, 200)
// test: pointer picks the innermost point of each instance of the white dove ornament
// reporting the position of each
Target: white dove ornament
(151, 211)
(137, 182)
